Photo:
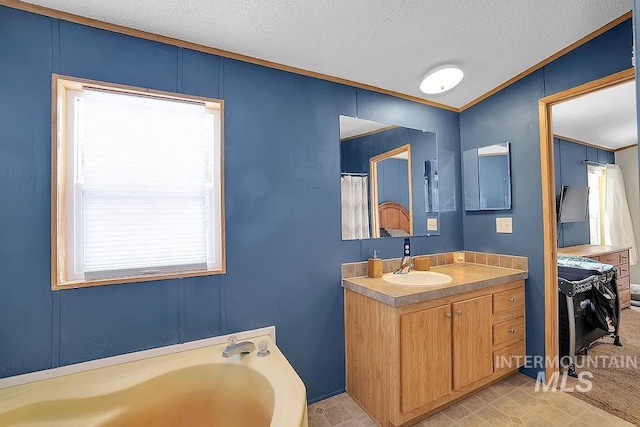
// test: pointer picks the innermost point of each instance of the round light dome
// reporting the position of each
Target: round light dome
(441, 79)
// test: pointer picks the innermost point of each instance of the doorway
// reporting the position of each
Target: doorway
(549, 204)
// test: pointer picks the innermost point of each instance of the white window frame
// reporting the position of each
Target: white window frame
(66, 231)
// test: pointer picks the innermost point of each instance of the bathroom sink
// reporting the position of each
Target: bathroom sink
(418, 278)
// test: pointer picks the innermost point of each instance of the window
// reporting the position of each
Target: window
(137, 184)
(596, 176)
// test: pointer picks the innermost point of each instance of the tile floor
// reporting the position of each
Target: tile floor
(512, 401)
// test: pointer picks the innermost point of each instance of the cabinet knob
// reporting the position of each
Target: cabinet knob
(511, 330)
(511, 299)
(459, 312)
(448, 315)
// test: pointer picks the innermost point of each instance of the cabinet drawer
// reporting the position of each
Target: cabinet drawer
(512, 313)
(625, 298)
(624, 257)
(613, 258)
(507, 332)
(510, 357)
(623, 283)
(623, 270)
(508, 299)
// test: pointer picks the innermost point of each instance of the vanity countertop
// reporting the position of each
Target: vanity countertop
(466, 277)
(591, 250)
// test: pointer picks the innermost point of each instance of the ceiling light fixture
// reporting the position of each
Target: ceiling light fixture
(441, 79)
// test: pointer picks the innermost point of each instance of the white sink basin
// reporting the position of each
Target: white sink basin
(418, 278)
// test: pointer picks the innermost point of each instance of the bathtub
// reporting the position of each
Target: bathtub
(195, 387)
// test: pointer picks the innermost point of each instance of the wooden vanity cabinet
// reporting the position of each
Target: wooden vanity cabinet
(405, 362)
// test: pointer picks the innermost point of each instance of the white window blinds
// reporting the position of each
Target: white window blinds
(144, 185)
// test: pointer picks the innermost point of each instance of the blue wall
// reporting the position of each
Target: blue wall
(512, 115)
(393, 181)
(570, 169)
(282, 168)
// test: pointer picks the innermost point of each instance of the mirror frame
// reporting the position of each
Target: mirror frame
(373, 183)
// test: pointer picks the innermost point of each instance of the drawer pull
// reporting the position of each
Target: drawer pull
(511, 330)
(448, 315)
(459, 312)
(511, 299)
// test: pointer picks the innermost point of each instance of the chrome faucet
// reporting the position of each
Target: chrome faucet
(406, 264)
(235, 347)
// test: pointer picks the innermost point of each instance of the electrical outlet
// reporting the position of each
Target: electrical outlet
(503, 225)
(432, 224)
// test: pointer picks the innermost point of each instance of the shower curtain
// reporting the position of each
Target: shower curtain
(355, 207)
(618, 229)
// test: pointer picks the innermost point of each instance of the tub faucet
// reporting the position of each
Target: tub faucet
(234, 347)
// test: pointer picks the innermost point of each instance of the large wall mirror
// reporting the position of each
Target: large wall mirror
(487, 177)
(389, 180)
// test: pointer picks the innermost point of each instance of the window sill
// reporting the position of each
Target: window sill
(73, 284)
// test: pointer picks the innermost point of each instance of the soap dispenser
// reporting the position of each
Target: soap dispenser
(374, 266)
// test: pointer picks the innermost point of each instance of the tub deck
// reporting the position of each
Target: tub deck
(191, 388)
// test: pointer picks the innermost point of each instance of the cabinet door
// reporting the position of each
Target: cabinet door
(425, 356)
(471, 341)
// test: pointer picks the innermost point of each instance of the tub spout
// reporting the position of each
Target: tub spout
(243, 347)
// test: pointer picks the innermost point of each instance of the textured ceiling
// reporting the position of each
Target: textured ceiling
(606, 118)
(390, 44)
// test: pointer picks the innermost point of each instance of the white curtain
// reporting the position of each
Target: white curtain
(355, 207)
(618, 229)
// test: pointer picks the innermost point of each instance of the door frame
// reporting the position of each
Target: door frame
(549, 206)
